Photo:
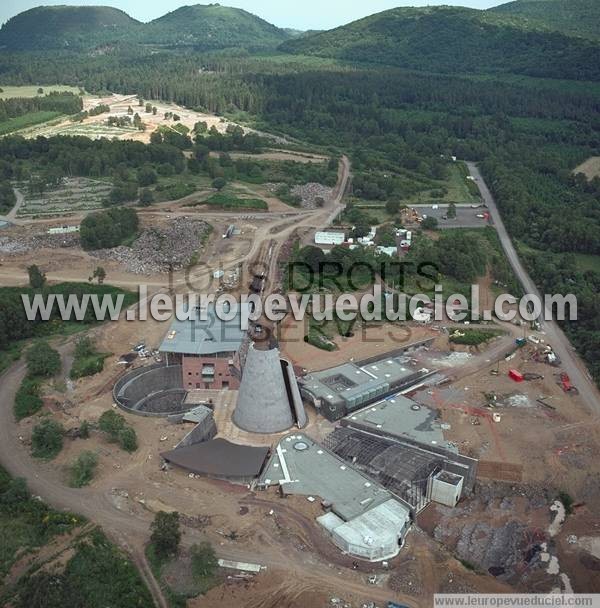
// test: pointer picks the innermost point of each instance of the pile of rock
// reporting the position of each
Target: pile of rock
(160, 249)
(14, 245)
(311, 193)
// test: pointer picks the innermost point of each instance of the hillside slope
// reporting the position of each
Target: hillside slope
(207, 27)
(58, 27)
(449, 39)
(572, 17)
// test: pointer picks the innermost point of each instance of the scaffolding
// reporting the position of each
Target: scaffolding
(403, 469)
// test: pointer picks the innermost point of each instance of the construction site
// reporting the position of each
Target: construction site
(400, 464)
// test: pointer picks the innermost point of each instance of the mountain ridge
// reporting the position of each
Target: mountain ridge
(455, 40)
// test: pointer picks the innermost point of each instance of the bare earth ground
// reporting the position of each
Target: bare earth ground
(590, 168)
(557, 448)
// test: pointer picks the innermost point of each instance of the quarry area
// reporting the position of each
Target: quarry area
(396, 464)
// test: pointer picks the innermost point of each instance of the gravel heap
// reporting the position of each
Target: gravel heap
(12, 245)
(309, 193)
(160, 249)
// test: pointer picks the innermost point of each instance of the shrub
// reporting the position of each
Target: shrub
(47, 439)
(111, 423)
(42, 360)
(82, 470)
(118, 431)
(166, 534)
(27, 399)
(88, 361)
(128, 439)
(204, 561)
(429, 223)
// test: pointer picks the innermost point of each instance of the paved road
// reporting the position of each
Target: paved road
(12, 214)
(571, 363)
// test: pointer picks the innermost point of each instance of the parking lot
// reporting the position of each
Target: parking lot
(466, 216)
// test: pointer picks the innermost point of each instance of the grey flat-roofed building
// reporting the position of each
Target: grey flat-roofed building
(403, 417)
(348, 387)
(364, 519)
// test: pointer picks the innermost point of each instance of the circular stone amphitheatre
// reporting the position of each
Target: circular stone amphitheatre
(155, 390)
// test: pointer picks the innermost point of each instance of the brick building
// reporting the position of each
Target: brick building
(208, 350)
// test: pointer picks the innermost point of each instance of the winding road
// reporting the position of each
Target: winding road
(571, 363)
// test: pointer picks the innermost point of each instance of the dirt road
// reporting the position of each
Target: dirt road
(571, 363)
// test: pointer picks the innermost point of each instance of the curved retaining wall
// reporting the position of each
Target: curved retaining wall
(154, 391)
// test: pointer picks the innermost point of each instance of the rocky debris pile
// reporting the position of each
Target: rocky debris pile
(14, 245)
(10, 246)
(160, 249)
(488, 547)
(311, 193)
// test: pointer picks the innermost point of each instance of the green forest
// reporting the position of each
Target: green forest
(528, 113)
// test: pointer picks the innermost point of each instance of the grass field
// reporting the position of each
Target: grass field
(583, 261)
(32, 90)
(457, 189)
(229, 200)
(588, 262)
(26, 120)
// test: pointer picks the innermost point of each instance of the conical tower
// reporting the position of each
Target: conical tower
(269, 400)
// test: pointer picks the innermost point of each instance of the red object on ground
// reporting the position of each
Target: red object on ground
(566, 382)
(515, 375)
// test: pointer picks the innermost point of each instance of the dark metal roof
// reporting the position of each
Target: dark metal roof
(219, 458)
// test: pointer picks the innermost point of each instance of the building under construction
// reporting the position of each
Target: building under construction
(340, 390)
(207, 347)
(269, 399)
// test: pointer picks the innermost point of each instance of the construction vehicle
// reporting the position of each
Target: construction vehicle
(565, 381)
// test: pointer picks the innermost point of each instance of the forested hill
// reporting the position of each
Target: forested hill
(455, 40)
(207, 27)
(572, 17)
(59, 27)
(201, 27)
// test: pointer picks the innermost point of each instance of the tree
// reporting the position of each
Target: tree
(128, 439)
(313, 257)
(392, 207)
(200, 128)
(429, 223)
(117, 429)
(146, 197)
(47, 439)
(361, 229)
(130, 111)
(27, 400)
(84, 430)
(100, 274)
(146, 176)
(451, 211)
(40, 91)
(42, 360)
(219, 183)
(148, 108)
(166, 534)
(111, 423)
(37, 279)
(154, 110)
